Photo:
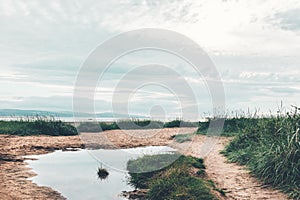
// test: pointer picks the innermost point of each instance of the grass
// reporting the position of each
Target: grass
(232, 126)
(270, 147)
(175, 181)
(132, 124)
(37, 126)
(180, 123)
(140, 124)
(180, 138)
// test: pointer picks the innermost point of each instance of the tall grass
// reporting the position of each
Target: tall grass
(37, 126)
(232, 126)
(270, 147)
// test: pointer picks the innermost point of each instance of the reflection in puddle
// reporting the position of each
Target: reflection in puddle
(74, 174)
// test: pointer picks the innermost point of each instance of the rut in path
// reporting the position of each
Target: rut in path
(234, 179)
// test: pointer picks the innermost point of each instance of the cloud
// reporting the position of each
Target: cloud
(255, 46)
(288, 20)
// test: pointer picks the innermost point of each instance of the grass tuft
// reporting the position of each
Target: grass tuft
(180, 138)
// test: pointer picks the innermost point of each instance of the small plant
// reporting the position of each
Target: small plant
(180, 138)
(102, 173)
(213, 186)
(200, 172)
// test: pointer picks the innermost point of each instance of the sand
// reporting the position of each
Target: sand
(235, 180)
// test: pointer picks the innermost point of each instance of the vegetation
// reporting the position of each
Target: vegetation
(97, 127)
(140, 124)
(232, 126)
(180, 138)
(176, 181)
(37, 126)
(270, 147)
(102, 173)
(132, 124)
(180, 123)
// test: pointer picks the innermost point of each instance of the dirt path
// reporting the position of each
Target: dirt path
(232, 178)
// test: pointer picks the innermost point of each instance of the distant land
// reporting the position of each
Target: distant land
(63, 114)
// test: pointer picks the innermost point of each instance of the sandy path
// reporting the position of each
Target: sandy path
(232, 178)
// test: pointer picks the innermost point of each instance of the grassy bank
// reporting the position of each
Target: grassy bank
(270, 147)
(232, 126)
(132, 124)
(37, 126)
(183, 179)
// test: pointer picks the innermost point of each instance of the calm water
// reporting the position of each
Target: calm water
(74, 174)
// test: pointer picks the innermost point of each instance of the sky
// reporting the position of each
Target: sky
(255, 46)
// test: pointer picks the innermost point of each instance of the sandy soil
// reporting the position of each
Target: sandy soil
(14, 174)
(13, 171)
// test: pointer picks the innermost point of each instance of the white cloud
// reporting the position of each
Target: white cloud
(230, 27)
(255, 45)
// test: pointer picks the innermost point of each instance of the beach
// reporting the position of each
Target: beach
(235, 180)
(14, 174)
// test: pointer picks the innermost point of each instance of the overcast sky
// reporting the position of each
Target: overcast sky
(255, 45)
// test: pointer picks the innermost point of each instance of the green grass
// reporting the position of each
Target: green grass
(37, 126)
(132, 124)
(180, 138)
(180, 123)
(232, 126)
(270, 147)
(174, 182)
(140, 124)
